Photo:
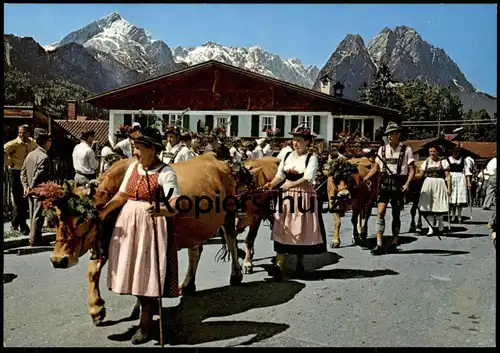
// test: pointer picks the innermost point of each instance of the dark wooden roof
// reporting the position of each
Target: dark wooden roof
(76, 127)
(213, 85)
(484, 150)
(477, 150)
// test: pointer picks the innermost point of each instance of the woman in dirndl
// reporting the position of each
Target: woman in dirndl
(460, 182)
(297, 229)
(132, 265)
(433, 201)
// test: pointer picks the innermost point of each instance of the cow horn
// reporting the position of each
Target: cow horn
(69, 187)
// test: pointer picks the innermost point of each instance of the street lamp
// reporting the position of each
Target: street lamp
(338, 89)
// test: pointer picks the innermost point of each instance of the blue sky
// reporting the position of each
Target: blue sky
(467, 32)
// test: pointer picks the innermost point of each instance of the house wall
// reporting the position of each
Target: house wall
(326, 124)
(116, 117)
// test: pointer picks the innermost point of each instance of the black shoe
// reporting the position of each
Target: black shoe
(141, 336)
(300, 271)
(412, 229)
(392, 249)
(276, 272)
(378, 250)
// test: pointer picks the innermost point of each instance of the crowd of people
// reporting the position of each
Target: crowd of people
(445, 191)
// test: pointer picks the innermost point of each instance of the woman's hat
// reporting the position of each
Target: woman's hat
(173, 129)
(391, 127)
(302, 130)
(149, 135)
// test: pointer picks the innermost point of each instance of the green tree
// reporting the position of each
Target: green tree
(382, 90)
(20, 88)
(473, 131)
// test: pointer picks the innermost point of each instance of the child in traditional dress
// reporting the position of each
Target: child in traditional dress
(460, 181)
(435, 190)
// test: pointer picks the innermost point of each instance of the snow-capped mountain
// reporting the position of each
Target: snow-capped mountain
(254, 59)
(113, 38)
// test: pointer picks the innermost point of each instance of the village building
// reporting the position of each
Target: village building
(248, 103)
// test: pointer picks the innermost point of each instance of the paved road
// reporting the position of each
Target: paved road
(433, 293)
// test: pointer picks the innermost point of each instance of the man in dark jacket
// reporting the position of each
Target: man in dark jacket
(35, 171)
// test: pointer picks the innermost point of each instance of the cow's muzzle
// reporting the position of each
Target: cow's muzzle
(60, 262)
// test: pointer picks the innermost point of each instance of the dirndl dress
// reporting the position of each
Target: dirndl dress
(132, 257)
(458, 182)
(434, 194)
(296, 232)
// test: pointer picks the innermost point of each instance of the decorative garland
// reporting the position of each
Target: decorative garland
(339, 167)
(241, 174)
(54, 196)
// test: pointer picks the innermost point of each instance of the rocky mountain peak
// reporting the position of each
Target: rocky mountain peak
(350, 64)
(409, 56)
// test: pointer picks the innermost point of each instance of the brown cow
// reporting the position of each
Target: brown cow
(256, 205)
(346, 182)
(202, 175)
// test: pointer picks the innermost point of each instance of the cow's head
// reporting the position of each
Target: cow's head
(255, 204)
(344, 176)
(75, 220)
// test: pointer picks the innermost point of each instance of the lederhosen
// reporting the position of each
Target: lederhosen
(391, 184)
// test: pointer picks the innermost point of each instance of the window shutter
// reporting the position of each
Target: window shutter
(185, 122)
(280, 125)
(234, 125)
(316, 121)
(198, 126)
(295, 121)
(209, 122)
(165, 119)
(127, 119)
(255, 126)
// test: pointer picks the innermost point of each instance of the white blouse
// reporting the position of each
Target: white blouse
(391, 153)
(167, 178)
(430, 163)
(298, 163)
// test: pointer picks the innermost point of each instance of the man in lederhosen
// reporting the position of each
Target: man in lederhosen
(397, 166)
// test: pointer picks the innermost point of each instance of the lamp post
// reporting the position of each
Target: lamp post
(338, 89)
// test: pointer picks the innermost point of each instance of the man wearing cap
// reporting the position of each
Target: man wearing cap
(124, 147)
(14, 154)
(35, 171)
(179, 152)
(397, 168)
(257, 152)
(85, 162)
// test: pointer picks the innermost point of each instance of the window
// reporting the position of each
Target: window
(353, 125)
(173, 119)
(368, 127)
(307, 120)
(127, 119)
(223, 120)
(267, 122)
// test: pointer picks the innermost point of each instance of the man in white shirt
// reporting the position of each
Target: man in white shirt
(267, 150)
(234, 150)
(179, 152)
(397, 171)
(84, 160)
(285, 150)
(124, 147)
(491, 185)
(257, 152)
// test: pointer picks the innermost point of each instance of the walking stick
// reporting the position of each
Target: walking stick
(155, 233)
(470, 202)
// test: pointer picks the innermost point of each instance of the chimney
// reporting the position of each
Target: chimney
(71, 110)
(325, 84)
